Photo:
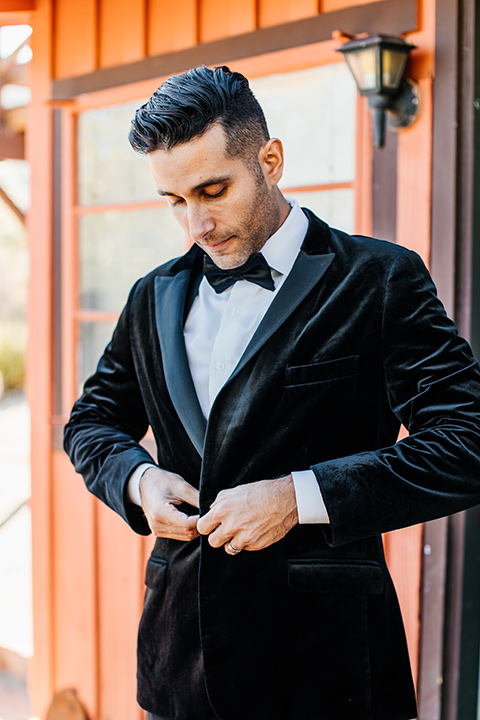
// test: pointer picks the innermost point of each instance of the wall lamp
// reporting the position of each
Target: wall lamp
(377, 63)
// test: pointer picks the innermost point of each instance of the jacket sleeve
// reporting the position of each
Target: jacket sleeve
(432, 384)
(106, 424)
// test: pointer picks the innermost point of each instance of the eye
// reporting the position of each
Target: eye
(215, 195)
(175, 203)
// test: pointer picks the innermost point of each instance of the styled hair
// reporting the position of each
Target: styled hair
(186, 106)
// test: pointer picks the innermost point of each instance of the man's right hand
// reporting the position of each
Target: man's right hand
(160, 492)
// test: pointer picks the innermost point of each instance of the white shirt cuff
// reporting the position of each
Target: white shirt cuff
(310, 505)
(134, 483)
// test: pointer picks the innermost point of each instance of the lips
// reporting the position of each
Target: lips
(219, 243)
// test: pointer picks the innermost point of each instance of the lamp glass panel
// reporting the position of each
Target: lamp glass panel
(364, 64)
(393, 67)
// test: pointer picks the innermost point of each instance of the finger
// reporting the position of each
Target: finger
(232, 549)
(207, 523)
(174, 525)
(190, 495)
(218, 537)
(222, 495)
(172, 515)
(168, 516)
(167, 532)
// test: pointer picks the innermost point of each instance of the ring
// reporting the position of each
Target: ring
(231, 549)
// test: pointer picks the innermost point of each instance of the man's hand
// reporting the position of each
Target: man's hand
(160, 492)
(252, 516)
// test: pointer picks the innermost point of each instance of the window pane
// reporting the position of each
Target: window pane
(313, 113)
(335, 207)
(109, 171)
(94, 338)
(117, 248)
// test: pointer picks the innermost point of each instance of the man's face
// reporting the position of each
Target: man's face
(222, 205)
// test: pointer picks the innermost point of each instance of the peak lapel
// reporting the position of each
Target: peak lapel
(170, 294)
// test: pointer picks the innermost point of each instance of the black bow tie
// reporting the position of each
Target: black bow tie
(255, 270)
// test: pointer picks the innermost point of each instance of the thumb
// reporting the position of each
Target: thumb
(190, 495)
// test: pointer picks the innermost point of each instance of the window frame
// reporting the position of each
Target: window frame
(72, 314)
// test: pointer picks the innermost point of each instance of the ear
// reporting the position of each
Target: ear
(270, 158)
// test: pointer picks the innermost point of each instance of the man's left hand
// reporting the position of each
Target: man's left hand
(252, 516)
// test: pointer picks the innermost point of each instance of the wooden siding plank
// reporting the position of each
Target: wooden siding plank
(122, 34)
(445, 157)
(120, 579)
(275, 12)
(20, 17)
(384, 189)
(39, 361)
(333, 5)
(169, 31)
(18, 5)
(75, 592)
(387, 16)
(69, 264)
(414, 178)
(226, 18)
(364, 171)
(404, 558)
(75, 41)
(431, 668)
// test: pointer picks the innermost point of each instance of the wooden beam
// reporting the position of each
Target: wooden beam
(12, 145)
(445, 147)
(10, 203)
(384, 189)
(386, 16)
(15, 75)
(18, 5)
(15, 18)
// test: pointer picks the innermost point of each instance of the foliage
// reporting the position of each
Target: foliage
(12, 366)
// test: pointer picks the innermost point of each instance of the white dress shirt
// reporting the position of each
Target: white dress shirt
(217, 331)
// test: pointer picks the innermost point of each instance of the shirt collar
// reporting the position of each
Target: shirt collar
(282, 248)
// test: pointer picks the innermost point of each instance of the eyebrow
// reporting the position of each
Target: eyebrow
(200, 186)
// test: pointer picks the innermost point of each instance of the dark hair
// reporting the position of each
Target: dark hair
(186, 106)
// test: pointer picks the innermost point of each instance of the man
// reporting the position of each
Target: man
(275, 391)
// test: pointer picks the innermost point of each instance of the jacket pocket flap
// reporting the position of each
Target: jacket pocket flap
(323, 371)
(156, 573)
(355, 577)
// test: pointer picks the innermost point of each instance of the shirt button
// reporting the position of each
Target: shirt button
(235, 312)
(220, 365)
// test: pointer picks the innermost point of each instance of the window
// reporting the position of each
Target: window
(313, 112)
(124, 230)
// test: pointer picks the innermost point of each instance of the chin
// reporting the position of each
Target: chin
(229, 262)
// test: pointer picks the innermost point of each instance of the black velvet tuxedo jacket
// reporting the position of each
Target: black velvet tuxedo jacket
(354, 344)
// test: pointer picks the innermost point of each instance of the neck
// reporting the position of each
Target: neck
(283, 210)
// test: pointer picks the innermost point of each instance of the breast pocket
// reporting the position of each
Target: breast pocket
(351, 577)
(322, 372)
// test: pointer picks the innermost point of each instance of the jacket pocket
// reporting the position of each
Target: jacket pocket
(363, 577)
(156, 573)
(321, 372)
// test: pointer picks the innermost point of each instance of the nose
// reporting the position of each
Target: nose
(200, 221)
